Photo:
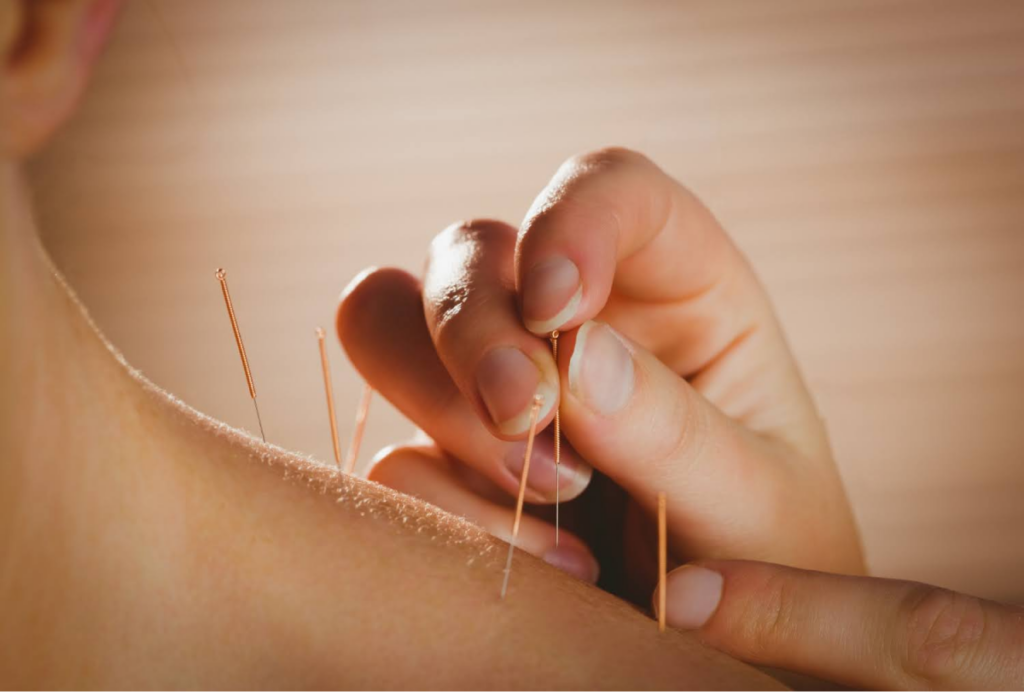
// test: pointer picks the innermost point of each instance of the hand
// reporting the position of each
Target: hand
(857, 631)
(673, 375)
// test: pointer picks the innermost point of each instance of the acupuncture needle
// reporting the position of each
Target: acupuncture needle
(357, 434)
(222, 277)
(330, 395)
(534, 410)
(558, 446)
(662, 561)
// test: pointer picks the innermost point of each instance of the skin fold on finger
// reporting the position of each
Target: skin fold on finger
(382, 328)
(826, 625)
(471, 313)
(732, 492)
(425, 472)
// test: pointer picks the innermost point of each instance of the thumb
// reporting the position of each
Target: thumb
(858, 631)
(732, 491)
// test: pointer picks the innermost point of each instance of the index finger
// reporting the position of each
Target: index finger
(612, 236)
(613, 216)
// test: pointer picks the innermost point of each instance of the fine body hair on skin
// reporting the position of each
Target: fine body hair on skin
(144, 544)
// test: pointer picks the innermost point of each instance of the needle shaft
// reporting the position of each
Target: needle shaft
(325, 366)
(357, 434)
(222, 277)
(558, 447)
(662, 561)
(534, 410)
(259, 419)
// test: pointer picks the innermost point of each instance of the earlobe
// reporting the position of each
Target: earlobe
(48, 51)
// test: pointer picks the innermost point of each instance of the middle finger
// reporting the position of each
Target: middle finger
(383, 329)
(470, 304)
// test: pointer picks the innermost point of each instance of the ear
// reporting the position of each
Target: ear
(10, 23)
(47, 51)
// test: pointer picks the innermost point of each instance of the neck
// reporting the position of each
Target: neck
(141, 544)
(93, 460)
(61, 378)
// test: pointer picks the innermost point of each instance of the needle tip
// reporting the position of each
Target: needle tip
(221, 274)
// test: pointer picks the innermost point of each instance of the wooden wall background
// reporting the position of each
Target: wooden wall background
(869, 156)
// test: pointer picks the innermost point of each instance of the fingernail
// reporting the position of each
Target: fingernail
(573, 474)
(601, 368)
(508, 381)
(551, 294)
(577, 562)
(692, 596)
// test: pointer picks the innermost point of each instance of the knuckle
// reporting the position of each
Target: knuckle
(567, 201)
(461, 257)
(943, 632)
(447, 305)
(458, 309)
(469, 232)
(767, 619)
(606, 158)
(485, 228)
(685, 436)
(588, 191)
(558, 205)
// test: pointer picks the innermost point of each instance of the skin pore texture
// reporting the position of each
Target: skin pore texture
(143, 544)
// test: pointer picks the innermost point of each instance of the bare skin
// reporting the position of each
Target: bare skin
(144, 544)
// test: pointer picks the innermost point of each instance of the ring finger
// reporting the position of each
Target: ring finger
(427, 473)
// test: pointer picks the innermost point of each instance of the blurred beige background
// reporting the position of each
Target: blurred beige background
(869, 156)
